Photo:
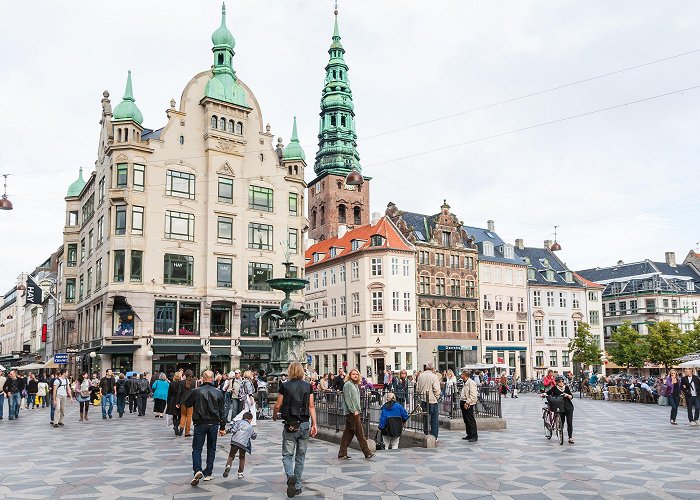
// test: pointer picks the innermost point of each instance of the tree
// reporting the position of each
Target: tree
(585, 347)
(667, 342)
(693, 337)
(628, 347)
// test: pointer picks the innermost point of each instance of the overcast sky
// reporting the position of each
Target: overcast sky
(621, 184)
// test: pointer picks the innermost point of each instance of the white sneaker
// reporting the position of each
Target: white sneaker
(240, 475)
(208, 478)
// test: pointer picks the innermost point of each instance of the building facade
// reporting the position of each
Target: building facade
(446, 287)
(168, 244)
(362, 295)
(503, 291)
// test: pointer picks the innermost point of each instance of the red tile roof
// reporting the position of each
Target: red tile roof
(588, 283)
(393, 239)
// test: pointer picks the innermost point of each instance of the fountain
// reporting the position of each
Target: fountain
(286, 336)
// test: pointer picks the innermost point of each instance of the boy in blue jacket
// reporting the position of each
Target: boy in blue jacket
(391, 421)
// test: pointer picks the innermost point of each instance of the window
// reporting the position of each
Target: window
(521, 333)
(324, 279)
(343, 307)
(537, 298)
(136, 266)
(354, 271)
(538, 328)
(539, 358)
(225, 190)
(407, 301)
(260, 198)
(356, 215)
(258, 274)
(293, 242)
(394, 266)
(137, 220)
(562, 299)
(508, 251)
(425, 319)
(423, 257)
(98, 274)
(394, 301)
(178, 269)
(355, 303)
(575, 303)
(633, 306)
(333, 276)
(612, 307)
(120, 220)
(376, 241)
(214, 122)
(100, 230)
(650, 305)
(469, 263)
(456, 320)
(72, 255)
(454, 261)
(81, 287)
(179, 184)
(224, 230)
(378, 328)
(488, 248)
(70, 290)
(356, 332)
(376, 266)
(397, 329)
(315, 281)
(293, 204)
(509, 304)
(593, 296)
(424, 285)
(594, 317)
(487, 302)
(470, 289)
(139, 177)
(406, 267)
(550, 299)
(552, 329)
(73, 218)
(221, 320)
(407, 328)
(521, 305)
(440, 286)
(440, 259)
(499, 303)
(101, 190)
(355, 245)
(511, 332)
(260, 236)
(119, 264)
(497, 274)
(334, 308)
(89, 282)
(224, 272)
(499, 332)
(565, 358)
(488, 330)
(553, 358)
(454, 287)
(122, 175)
(441, 319)
(179, 225)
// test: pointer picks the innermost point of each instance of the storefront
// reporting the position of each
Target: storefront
(453, 357)
(171, 356)
(121, 356)
(255, 355)
(515, 357)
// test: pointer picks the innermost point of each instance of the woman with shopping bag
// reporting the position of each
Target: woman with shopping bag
(246, 397)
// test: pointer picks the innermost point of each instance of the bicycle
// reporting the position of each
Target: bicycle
(552, 418)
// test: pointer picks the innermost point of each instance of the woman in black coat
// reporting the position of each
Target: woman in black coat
(172, 407)
(562, 390)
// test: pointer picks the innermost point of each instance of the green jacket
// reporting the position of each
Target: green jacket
(351, 398)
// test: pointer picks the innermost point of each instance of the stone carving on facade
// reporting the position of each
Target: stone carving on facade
(227, 147)
(106, 106)
(279, 149)
(226, 169)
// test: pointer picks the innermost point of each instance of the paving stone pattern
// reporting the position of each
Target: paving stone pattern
(622, 451)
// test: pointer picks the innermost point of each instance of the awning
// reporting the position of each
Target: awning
(51, 364)
(178, 349)
(118, 349)
(256, 349)
(221, 351)
(32, 366)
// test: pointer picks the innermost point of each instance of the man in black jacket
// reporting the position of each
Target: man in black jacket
(690, 385)
(209, 420)
(133, 391)
(13, 388)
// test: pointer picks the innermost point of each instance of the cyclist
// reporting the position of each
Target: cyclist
(560, 389)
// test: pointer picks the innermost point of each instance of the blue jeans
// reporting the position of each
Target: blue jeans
(2, 402)
(107, 398)
(53, 407)
(674, 401)
(201, 432)
(233, 410)
(294, 446)
(432, 414)
(121, 403)
(13, 403)
(227, 402)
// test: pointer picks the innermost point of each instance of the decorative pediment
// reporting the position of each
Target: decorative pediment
(577, 316)
(226, 169)
(377, 353)
(121, 159)
(538, 314)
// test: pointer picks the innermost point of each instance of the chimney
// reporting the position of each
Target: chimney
(547, 244)
(671, 259)
(519, 244)
(375, 217)
(342, 230)
(490, 225)
(308, 243)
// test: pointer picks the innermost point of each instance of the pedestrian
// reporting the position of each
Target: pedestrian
(246, 397)
(428, 389)
(42, 391)
(154, 377)
(226, 389)
(400, 387)
(184, 391)
(242, 432)
(467, 400)
(62, 394)
(13, 388)
(548, 381)
(562, 390)
(144, 389)
(23, 398)
(160, 395)
(514, 387)
(133, 391)
(83, 396)
(32, 390)
(450, 383)
(504, 384)
(339, 380)
(234, 389)
(209, 420)
(690, 385)
(391, 421)
(3, 379)
(673, 389)
(172, 407)
(122, 390)
(52, 378)
(295, 403)
(353, 418)
(107, 393)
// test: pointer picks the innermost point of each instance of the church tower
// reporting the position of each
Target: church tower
(331, 201)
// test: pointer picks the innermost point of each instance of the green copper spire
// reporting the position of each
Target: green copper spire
(223, 84)
(337, 146)
(293, 150)
(77, 187)
(127, 109)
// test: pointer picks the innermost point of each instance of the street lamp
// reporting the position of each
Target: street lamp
(5, 204)
(238, 353)
(149, 353)
(93, 354)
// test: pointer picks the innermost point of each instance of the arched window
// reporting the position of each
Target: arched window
(214, 122)
(126, 134)
(323, 215)
(356, 215)
(342, 120)
(262, 157)
(335, 74)
(230, 126)
(341, 74)
(221, 59)
(313, 219)
(340, 184)
(119, 135)
(341, 214)
(332, 120)
(290, 170)
(239, 128)
(222, 123)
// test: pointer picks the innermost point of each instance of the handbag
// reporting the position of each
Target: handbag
(379, 441)
(663, 401)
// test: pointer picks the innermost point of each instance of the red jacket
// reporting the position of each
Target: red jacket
(548, 381)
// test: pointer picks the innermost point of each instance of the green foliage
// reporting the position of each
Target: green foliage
(693, 338)
(628, 347)
(667, 342)
(584, 347)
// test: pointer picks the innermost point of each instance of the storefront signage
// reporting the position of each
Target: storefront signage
(457, 348)
(60, 358)
(72, 350)
(33, 292)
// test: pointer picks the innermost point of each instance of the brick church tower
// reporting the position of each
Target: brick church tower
(331, 201)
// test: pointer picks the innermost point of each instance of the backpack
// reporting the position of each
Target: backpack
(143, 386)
(121, 387)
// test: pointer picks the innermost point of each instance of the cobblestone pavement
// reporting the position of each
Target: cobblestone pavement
(622, 451)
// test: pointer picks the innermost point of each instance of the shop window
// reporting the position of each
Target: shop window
(249, 323)
(165, 318)
(188, 319)
(178, 269)
(221, 320)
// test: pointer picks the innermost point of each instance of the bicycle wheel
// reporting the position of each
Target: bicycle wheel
(560, 430)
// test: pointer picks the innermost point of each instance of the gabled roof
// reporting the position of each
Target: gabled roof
(392, 240)
(151, 134)
(588, 283)
(481, 235)
(645, 276)
(423, 225)
(543, 259)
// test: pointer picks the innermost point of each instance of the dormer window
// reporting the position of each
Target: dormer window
(333, 252)
(488, 248)
(317, 257)
(377, 240)
(508, 251)
(526, 260)
(545, 263)
(531, 274)
(446, 238)
(568, 276)
(355, 244)
(549, 274)
(690, 286)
